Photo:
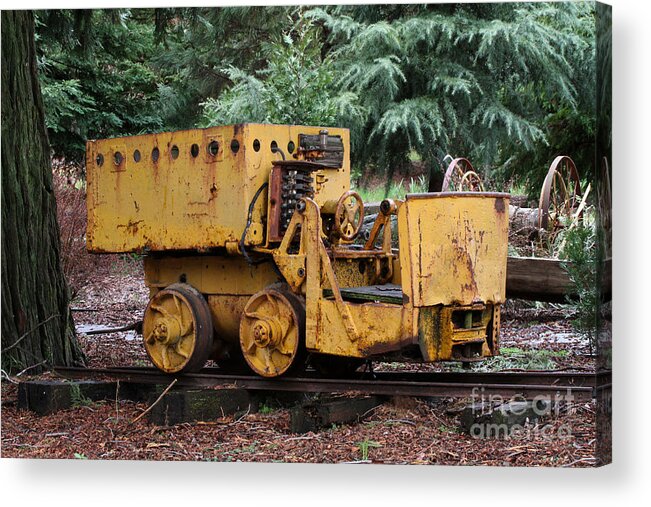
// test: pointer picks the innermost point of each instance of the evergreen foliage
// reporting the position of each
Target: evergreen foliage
(508, 86)
(294, 87)
(483, 81)
(199, 48)
(96, 77)
(580, 251)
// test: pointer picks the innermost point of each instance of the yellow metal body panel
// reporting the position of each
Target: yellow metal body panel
(382, 328)
(443, 332)
(189, 198)
(453, 248)
(210, 274)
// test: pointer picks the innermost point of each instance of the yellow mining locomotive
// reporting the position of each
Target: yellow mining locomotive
(248, 234)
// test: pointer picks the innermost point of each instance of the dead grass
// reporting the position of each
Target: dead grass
(78, 265)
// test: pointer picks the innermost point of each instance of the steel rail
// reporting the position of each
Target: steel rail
(528, 385)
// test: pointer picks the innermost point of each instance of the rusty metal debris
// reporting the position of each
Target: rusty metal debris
(460, 176)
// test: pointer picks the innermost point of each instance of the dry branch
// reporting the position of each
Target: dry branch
(155, 402)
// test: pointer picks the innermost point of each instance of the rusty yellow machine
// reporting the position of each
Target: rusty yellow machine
(248, 239)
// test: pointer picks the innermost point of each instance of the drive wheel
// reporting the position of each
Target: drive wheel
(177, 329)
(272, 332)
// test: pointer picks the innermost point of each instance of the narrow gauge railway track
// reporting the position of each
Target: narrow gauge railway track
(529, 384)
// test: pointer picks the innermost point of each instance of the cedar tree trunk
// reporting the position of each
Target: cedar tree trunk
(37, 328)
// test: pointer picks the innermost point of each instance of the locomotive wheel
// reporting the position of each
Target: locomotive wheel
(349, 216)
(272, 332)
(460, 176)
(178, 330)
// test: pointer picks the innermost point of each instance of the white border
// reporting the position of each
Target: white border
(51, 483)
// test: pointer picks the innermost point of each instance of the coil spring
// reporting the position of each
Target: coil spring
(295, 186)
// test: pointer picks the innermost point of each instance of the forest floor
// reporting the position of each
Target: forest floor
(404, 431)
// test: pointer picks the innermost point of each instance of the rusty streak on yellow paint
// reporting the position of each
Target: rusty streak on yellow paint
(457, 248)
(185, 202)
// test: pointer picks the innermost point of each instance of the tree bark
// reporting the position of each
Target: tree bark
(523, 220)
(37, 327)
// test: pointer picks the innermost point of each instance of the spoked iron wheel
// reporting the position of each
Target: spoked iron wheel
(559, 197)
(272, 332)
(460, 176)
(177, 329)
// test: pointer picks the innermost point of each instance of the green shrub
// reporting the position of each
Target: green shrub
(579, 252)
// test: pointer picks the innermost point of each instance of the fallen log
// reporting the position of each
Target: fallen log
(523, 220)
(540, 279)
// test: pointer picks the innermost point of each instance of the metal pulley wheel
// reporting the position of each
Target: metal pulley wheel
(460, 176)
(177, 329)
(560, 195)
(349, 216)
(272, 331)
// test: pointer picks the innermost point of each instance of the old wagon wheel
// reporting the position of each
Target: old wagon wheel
(460, 176)
(560, 195)
(272, 331)
(349, 216)
(177, 329)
